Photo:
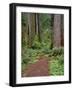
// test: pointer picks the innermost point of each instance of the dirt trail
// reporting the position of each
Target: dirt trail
(40, 68)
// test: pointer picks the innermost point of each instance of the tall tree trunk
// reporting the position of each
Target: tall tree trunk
(62, 30)
(38, 32)
(57, 31)
(31, 27)
(24, 29)
(29, 30)
(52, 23)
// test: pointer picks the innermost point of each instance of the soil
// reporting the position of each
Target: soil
(40, 68)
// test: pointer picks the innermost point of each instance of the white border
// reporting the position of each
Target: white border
(19, 79)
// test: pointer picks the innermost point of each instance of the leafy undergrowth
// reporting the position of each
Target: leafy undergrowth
(56, 55)
(57, 65)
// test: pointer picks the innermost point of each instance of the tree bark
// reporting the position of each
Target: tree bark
(38, 31)
(57, 31)
(29, 30)
(24, 30)
(31, 27)
(62, 30)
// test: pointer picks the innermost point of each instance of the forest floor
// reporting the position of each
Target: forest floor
(39, 68)
(40, 63)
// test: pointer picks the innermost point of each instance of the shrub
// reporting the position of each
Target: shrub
(56, 51)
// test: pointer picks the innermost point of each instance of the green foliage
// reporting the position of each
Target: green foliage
(24, 19)
(36, 44)
(56, 51)
(45, 21)
(57, 65)
(57, 61)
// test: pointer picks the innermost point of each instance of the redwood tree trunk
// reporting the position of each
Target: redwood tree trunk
(62, 30)
(38, 31)
(57, 31)
(31, 27)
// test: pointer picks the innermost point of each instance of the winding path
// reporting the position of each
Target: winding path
(40, 68)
